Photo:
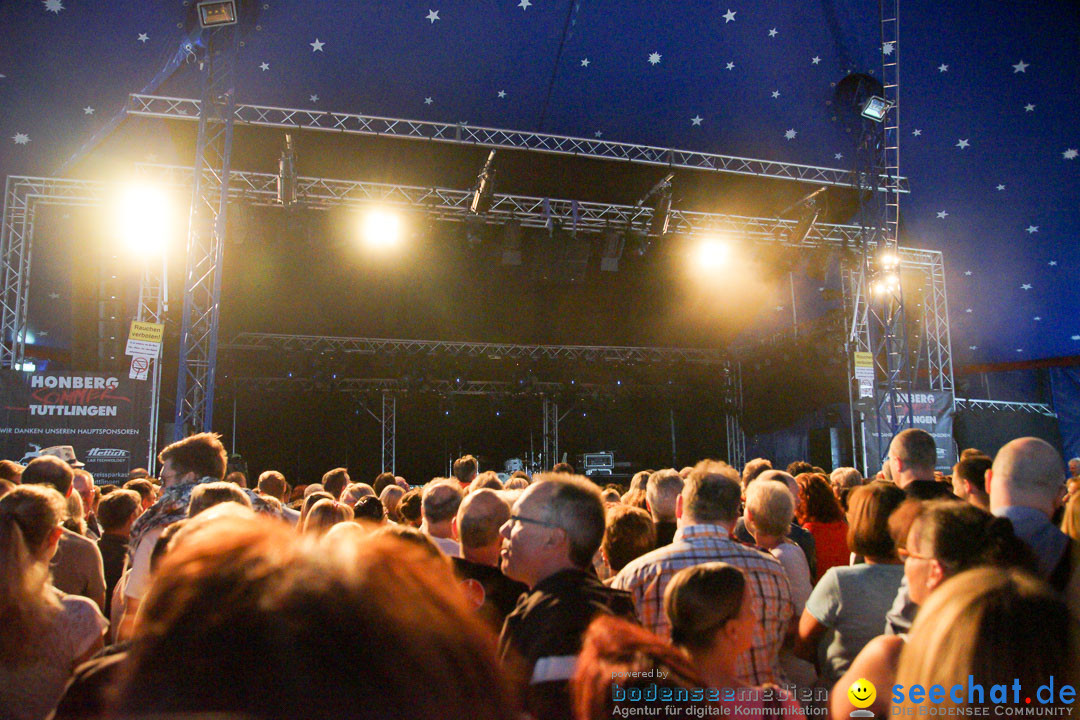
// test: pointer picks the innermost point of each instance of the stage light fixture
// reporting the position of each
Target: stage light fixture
(143, 215)
(217, 13)
(485, 186)
(286, 180)
(712, 254)
(875, 108)
(381, 228)
(889, 260)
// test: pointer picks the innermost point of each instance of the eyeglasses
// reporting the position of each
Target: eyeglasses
(520, 519)
(904, 554)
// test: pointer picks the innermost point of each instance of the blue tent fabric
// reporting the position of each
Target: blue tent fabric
(1065, 388)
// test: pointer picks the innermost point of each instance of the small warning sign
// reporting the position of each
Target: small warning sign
(864, 373)
(145, 339)
(140, 367)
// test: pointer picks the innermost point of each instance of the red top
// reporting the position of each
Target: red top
(830, 545)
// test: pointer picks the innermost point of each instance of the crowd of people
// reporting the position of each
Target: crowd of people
(698, 591)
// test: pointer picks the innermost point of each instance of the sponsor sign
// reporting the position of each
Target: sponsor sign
(930, 411)
(104, 417)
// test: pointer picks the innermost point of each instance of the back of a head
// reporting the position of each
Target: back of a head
(238, 478)
(629, 534)
(574, 504)
(700, 600)
(354, 491)
(309, 502)
(441, 500)
(137, 473)
(144, 487)
(464, 469)
(202, 454)
(772, 508)
(116, 508)
(382, 481)
(381, 605)
(817, 503)
(916, 448)
(754, 468)
(712, 493)
(410, 507)
(479, 518)
(11, 471)
(799, 467)
(640, 480)
(207, 495)
(334, 481)
(846, 478)
(961, 536)
(972, 469)
(390, 497)
(994, 625)
(869, 508)
(661, 490)
(325, 514)
(618, 652)
(563, 468)
(488, 479)
(1027, 471)
(272, 483)
(369, 509)
(51, 471)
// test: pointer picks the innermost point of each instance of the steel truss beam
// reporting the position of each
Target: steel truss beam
(463, 134)
(443, 348)
(206, 235)
(973, 404)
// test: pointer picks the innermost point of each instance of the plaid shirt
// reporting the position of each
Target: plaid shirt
(647, 577)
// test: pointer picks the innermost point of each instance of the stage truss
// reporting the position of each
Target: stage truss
(390, 389)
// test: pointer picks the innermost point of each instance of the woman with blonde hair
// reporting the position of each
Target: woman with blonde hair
(325, 514)
(44, 633)
(984, 627)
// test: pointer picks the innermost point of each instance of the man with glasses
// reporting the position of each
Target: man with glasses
(548, 543)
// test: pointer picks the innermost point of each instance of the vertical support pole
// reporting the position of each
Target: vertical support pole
(389, 432)
(206, 235)
(671, 415)
(234, 421)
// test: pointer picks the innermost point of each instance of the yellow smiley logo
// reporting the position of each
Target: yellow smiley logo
(862, 693)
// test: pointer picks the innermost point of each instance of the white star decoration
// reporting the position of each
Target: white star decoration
(815, 60)
(432, 15)
(428, 101)
(973, 347)
(1025, 286)
(54, 6)
(888, 48)
(1020, 67)
(316, 46)
(772, 32)
(143, 37)
(524, 4)
(838, 156)
(20, 138)
(1030, 107)
(696, 120)
(1069, 154)
(968, 310)
(54, 296)
(776, 93)
(942, 215)
(942, 68)
(585, 62)
(1052, 263)
(1036, 318)
(916, 132)
(1032, 229)
(502, 93)
(88, 110)
(790, 134)
(598, 133)
(264, 66)
(779, 308)
(967, 272)
(654, 58)
(1000, 187)
(729, 16)
(962, 143)
(730, 66)
(314, 98)
(1075, 337)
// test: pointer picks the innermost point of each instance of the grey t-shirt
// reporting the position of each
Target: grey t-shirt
(77, 568)
(853, 601)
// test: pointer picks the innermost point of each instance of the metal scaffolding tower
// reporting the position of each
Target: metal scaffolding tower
(206, 234)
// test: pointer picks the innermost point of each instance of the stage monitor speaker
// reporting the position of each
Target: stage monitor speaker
(830, 448)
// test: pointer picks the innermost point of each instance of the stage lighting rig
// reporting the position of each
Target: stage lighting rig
(875, 108)
(660, 194)
(286, 180)
(217, 13)
(485, 186)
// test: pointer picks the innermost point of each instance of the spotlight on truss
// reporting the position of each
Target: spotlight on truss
(485, 186)
(875, 108)
(217, 13)
(286, 179)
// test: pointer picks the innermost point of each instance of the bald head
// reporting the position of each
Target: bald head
(479, 518)
(1027, 472)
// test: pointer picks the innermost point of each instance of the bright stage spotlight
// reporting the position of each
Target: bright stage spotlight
(889, 260)
(381, 228)
(712, 254)
(143, 215)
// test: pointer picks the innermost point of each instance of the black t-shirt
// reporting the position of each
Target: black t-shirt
(500, 592)
(113, 549)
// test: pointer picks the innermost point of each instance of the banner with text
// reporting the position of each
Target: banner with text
(104, 417)
(931, 411)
